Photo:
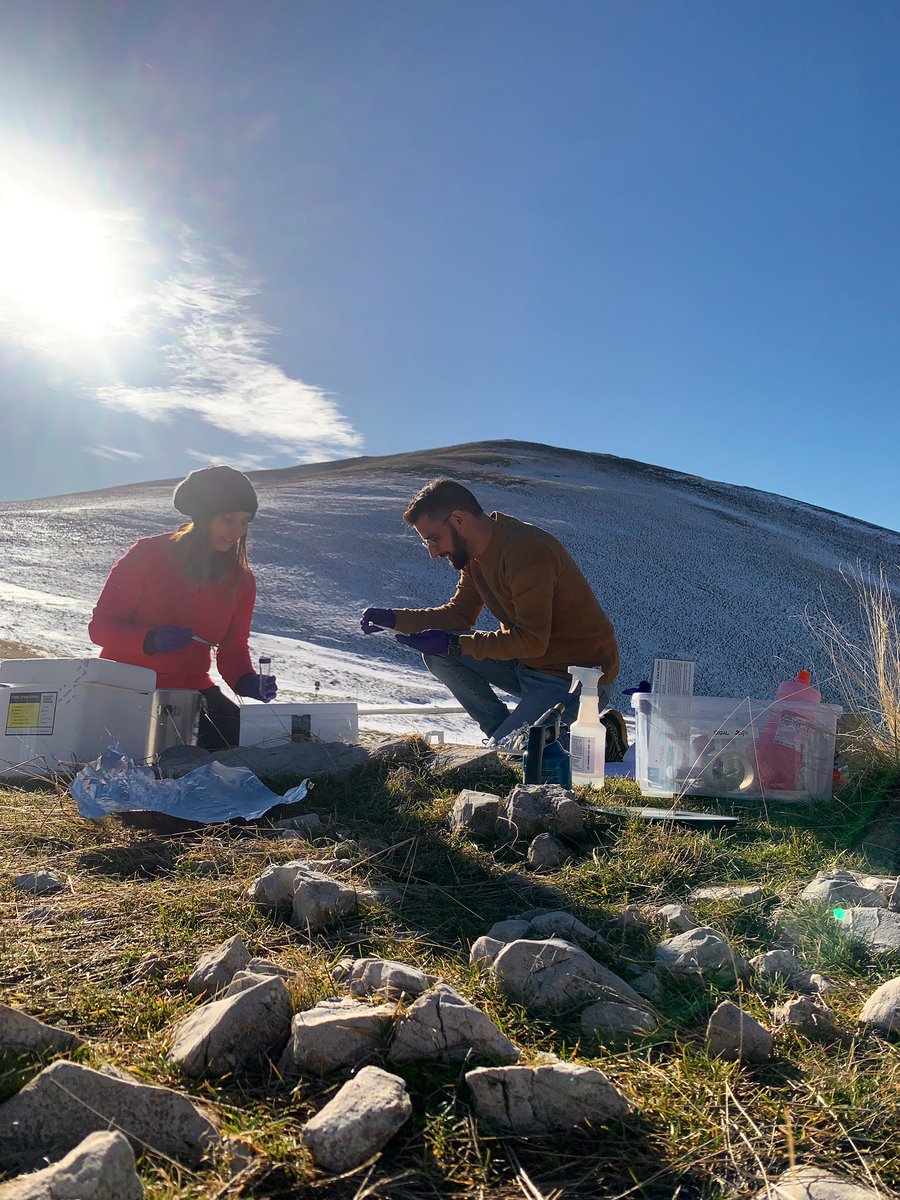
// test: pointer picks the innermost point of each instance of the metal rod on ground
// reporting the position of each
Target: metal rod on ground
(412, 710)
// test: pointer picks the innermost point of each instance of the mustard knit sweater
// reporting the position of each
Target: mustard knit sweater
(549, 618)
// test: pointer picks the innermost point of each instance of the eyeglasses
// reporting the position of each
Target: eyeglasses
(432, 539)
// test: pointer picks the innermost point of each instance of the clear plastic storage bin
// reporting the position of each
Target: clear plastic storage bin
(735, 749)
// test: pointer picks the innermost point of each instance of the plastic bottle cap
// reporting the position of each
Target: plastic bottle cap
(803, 677)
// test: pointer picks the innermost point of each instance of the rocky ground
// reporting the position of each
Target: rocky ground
(433, 981)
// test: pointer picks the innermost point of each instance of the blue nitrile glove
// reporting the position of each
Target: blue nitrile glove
(429, 641)
(374, 619)
(248, 685)
(167, 638)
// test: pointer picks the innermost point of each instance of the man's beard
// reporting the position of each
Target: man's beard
(459, 556)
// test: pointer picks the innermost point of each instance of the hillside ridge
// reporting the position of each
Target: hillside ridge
(467, 452)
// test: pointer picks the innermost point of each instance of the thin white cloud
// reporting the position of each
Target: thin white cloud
(114, 452)
(243, 462)
(219, 370)
(91, 289)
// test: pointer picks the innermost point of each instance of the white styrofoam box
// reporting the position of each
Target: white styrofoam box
(47, 729)
(59, 672)
(717, 746)
(273, 724)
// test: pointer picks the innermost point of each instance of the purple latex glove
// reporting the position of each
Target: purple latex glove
(643, 686)
(167, 638)
(374, 619)
(429, 641)
(249, 685)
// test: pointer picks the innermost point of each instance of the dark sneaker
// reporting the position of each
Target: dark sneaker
(616, 735)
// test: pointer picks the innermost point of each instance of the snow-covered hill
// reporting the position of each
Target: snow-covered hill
(685, 567)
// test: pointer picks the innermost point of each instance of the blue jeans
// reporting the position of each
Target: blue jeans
(472, 682)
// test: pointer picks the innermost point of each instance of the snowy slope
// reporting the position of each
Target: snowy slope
(685, 567)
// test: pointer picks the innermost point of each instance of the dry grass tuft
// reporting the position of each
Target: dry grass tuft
(867, 671)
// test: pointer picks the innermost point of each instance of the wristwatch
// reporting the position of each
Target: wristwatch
(453, 647)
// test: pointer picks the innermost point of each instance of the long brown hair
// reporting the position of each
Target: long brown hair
(200, 564)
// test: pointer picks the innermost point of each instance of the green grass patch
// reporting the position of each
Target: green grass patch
(111, 954)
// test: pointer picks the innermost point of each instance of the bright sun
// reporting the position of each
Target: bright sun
(58, 266)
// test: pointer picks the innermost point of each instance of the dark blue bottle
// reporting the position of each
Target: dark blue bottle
(545, 760)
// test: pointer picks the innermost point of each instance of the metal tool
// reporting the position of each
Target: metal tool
(203, 641)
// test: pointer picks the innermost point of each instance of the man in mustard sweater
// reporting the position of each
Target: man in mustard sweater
(549, 618)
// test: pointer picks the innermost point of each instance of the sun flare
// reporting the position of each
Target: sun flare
(59, 266)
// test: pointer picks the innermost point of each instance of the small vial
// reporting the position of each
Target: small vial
(265, 671)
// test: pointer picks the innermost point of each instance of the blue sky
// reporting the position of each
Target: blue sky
(266, 233)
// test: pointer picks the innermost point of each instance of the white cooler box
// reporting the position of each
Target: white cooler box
(56, 713)
(273, 724)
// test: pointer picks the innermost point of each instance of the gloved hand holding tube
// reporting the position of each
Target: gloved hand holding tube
(258, 686)
(167, 638)
(375, 619)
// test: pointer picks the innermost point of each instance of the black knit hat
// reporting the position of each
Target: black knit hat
(214, 490)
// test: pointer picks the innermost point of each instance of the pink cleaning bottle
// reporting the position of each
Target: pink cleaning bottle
(783, 741)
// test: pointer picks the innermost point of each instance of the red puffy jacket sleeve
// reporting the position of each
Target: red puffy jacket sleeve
(233, 655)
(113, 624)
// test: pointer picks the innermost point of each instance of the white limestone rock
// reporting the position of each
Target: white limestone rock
(533, 808)
(383, 895)
(320, 902)
(442, 1025)
(735, 1035)
(677, 919)
(611, 1021)
(882, 1009)
(275, 888)
(265, 966)
(547, 853)
(334, 1035)
(649, 985)
(359, 1121)
(776, 964)
(22, 1034)
(554, 975)
(484, 950)
(815, 1183)
(38, 883)
(819, 983)
(539, 1100)
(388, 978)
(66, 1102)
(215, 969)
(703, 952)
(809, 1015)
(242, 981)
(561, 924)
(101, 1167)
(744, 895)
(475, 813)
(305, 825)
(845, 889)
(630, 922)
(509, 930)
(227, 1036)
(879, 928)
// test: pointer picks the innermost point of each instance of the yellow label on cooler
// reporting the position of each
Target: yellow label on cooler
(31, 712)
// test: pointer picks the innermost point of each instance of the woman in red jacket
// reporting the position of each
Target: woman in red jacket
(175, 596)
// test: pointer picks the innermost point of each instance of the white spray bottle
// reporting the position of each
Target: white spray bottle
(587, 737)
